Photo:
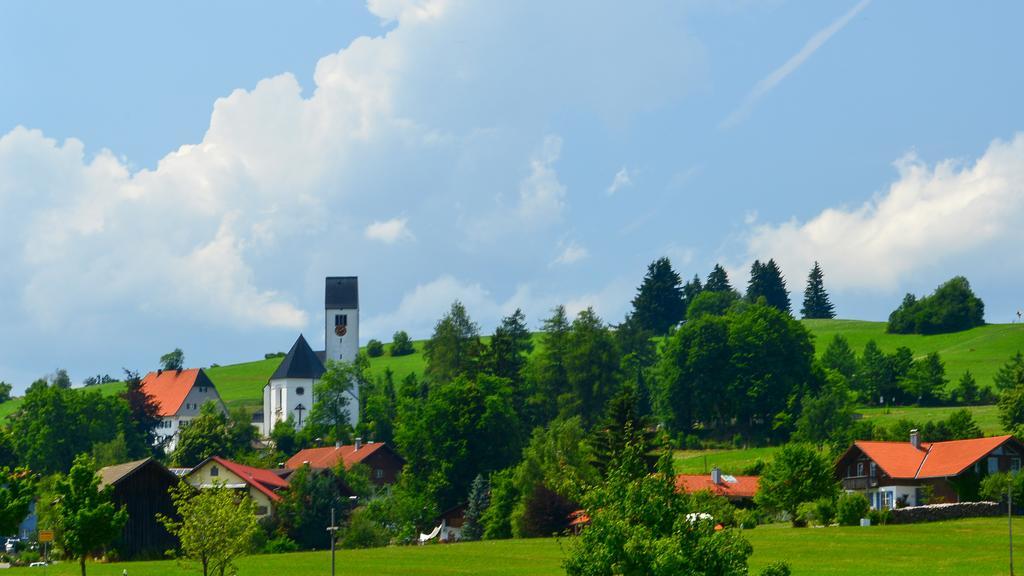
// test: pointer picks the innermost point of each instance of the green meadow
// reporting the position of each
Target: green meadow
(960, 548)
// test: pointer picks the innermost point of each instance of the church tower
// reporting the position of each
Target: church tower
(341, 327)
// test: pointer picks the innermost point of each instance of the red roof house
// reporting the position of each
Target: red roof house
(180, 394)
(735, 488)
(383, 462)
(894, 474)
(263, 486)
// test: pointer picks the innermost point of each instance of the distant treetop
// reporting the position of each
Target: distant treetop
(951, 308)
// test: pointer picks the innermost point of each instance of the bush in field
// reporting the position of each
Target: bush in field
(401, 344)
(374, 348)
(851, 507)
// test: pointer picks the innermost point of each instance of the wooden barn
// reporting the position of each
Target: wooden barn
(143, 488)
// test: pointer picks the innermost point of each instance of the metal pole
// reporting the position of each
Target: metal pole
(334, 528)
(1009, 516)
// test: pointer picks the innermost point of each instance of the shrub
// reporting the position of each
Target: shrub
(746, 519)
(401, 344)
(364, 532)
(280, 545)
(806, 514)
(851, 507)
(880, 517)
(825, 511)
(374, 348)
(719, 507)
(776, 569)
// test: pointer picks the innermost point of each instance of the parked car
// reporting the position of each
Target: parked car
(37, 564)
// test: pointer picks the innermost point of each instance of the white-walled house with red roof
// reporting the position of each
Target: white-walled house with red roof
(180, 394)
(262, 485)
(894, 474)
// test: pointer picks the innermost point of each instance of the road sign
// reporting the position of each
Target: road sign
(46, 535)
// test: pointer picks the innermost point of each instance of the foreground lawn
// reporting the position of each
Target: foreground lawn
(965, 547)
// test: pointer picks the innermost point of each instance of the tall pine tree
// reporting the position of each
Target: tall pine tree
(766, 282)
(718, 280)
(691, 290)
(659, 303)
(816, 301)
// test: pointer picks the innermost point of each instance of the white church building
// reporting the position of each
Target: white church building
(290, 390)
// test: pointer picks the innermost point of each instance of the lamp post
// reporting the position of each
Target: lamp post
(332, 530)
(1009, 517)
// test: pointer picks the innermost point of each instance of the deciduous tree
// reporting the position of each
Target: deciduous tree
(173, 360)
(87, 519)
(17, 490)
(215, 526)
(798, 473)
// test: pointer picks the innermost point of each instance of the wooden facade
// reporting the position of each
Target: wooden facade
(143, 488)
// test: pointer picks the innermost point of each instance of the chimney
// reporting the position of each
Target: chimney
(159, 371)
(359, 443)
(716, 475)
(915, 439)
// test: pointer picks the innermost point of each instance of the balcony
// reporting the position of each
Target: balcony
(859, 483)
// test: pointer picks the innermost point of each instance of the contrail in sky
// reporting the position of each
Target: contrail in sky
(772, 80)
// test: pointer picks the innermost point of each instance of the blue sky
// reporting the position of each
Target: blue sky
(184, 175)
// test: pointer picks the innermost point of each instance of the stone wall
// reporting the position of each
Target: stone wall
(936, 512)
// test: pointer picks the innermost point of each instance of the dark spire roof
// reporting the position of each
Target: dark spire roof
(301, 362)
(341, 292)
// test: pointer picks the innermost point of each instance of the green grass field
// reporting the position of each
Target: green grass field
(987, 417)
(964, 547)
(730, 461)
(981, 350)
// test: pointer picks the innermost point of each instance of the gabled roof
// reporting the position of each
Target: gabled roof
(170, 387)
(301, 362)
(934, 460)
(330, 456)
(114, 475)
(265, 481)
(730, 486)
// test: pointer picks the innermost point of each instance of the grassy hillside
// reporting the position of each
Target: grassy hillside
(981, 350)
(963, 547)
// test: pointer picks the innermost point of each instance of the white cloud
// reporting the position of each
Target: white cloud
(769, 82)
(571, 253)
(929, 216)
(439, 118)
(389, 231)
(541, 195)
(620, 181)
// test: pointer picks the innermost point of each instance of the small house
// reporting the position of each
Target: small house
(384, 463)
(738, 489)
(263, 486)
(896, 474)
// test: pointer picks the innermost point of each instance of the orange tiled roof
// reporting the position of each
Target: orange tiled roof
(743, 487)
(263, 480)
(170, 387)
(935, 460)
(330, 456)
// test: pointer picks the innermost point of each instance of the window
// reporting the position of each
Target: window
(278, 399)
(378, 473)
(993, 464)
(1014, 464)
(341, 319)
(874, 469)
(885, 500)
(261, 510)
(300, 390)
(214, 471)
(860, 468)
